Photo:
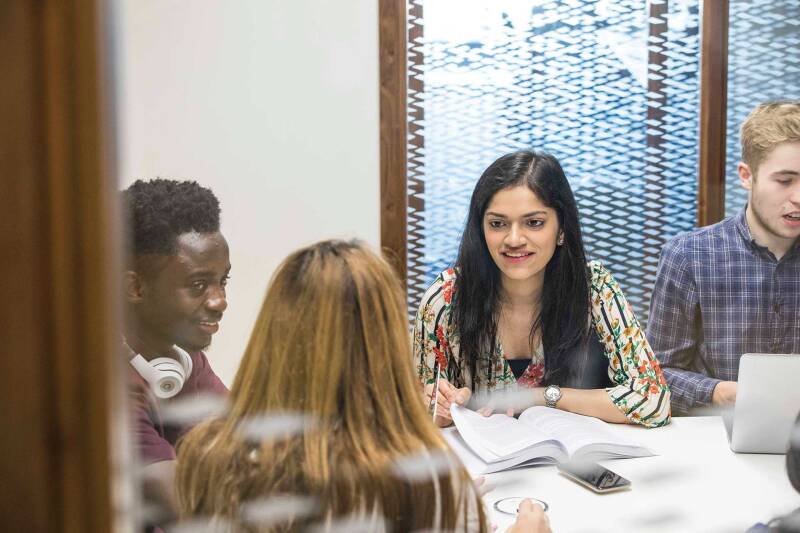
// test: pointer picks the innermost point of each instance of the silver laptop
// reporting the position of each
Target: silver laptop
(767, 403)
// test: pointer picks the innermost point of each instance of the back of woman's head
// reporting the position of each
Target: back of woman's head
(331, 322)
(327, 383)
(565, 299)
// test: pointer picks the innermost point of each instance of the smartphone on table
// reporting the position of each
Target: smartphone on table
(595, 477)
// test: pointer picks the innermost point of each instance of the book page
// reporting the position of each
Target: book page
(580, 433)
(474, 465)
(495, 437)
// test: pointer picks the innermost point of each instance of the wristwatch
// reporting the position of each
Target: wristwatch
(551, 395)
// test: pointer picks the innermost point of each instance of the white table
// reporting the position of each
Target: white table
(695, 483)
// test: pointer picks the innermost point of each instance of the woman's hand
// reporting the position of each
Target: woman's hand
(489, 410)
(531, 518)
(509, 402)
(445, 397)
(483, 486)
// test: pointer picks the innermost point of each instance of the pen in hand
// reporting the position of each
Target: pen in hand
(435, 390)
(442, 391)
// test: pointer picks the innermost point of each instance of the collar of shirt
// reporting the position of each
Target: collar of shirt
(740, 222)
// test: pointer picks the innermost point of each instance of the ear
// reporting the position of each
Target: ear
(133, 286)
(560, 240)
(746, 177)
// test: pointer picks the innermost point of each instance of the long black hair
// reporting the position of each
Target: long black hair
(565, 307)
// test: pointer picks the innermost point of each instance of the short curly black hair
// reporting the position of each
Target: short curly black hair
(157, 211)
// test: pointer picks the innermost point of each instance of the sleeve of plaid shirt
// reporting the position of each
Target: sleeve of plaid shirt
(674, 328)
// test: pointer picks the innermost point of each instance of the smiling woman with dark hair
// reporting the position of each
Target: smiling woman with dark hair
(522, 307)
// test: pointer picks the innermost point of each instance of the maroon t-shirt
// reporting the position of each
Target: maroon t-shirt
(155, 438)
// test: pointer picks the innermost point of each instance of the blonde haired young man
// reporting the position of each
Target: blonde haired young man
(734, 287)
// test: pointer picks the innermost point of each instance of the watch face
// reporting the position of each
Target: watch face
(552, 393)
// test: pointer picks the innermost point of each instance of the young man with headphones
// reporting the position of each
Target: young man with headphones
(174, 282)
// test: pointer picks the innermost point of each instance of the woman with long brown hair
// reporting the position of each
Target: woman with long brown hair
(324, 423)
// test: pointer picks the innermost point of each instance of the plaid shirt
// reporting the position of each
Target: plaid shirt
(717, 296)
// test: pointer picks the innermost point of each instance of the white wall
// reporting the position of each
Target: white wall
(273, 104)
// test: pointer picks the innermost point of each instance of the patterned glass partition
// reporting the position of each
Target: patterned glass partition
(608, 87)
(763, 64)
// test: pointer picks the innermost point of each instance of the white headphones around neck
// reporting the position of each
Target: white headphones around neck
(165, 375)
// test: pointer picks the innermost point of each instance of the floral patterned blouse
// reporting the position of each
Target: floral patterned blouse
(640, 391)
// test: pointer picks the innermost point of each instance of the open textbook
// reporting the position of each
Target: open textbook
(540, 435)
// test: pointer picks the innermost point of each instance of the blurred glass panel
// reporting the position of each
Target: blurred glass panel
(763, 64)
(608, 87)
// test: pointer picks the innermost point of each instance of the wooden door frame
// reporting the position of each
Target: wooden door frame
(61, 384)
(713, 112)
(393, 37)
(393, 128)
